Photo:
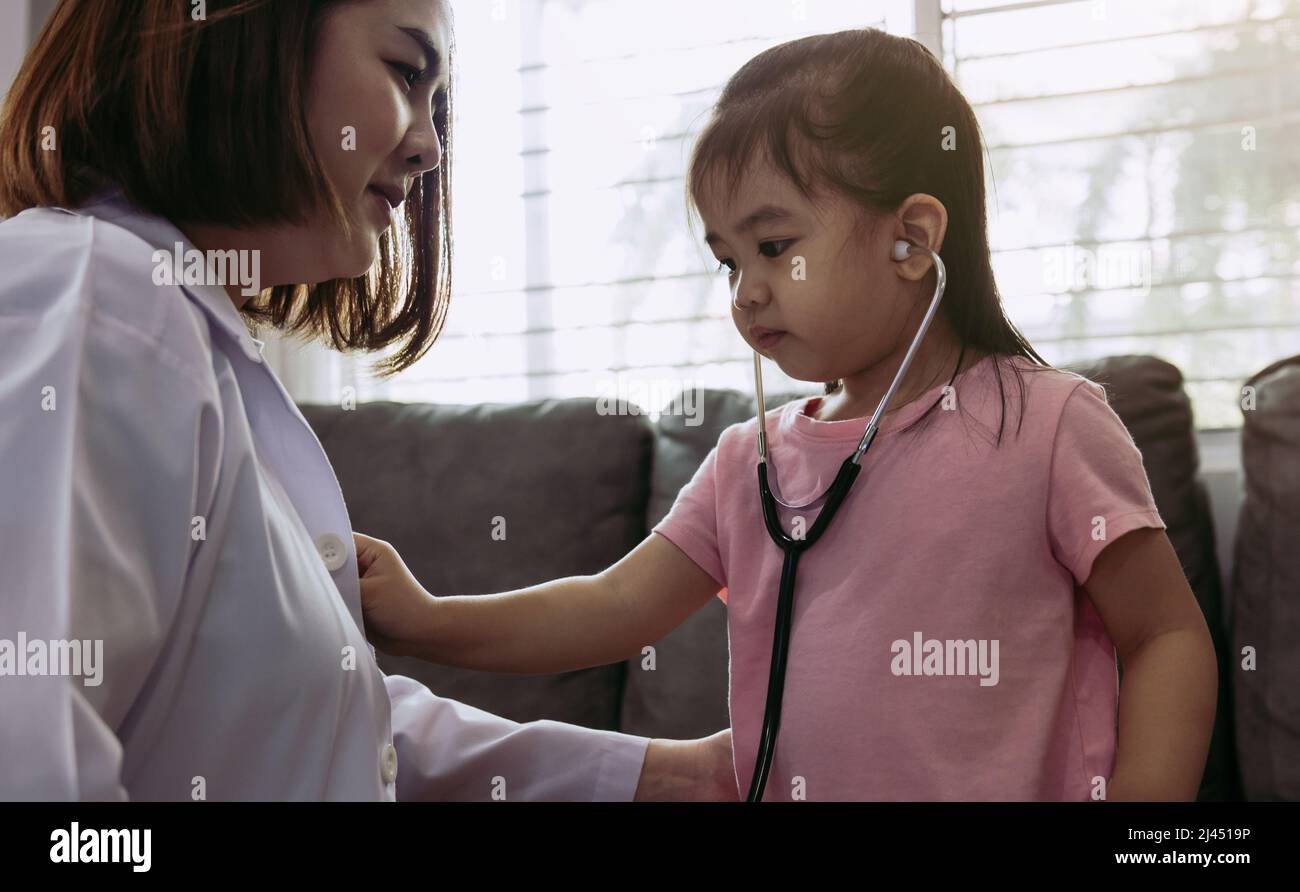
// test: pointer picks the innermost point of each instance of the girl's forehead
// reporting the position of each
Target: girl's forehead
(726, 196)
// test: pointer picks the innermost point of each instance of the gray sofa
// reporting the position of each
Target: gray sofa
(576, 489)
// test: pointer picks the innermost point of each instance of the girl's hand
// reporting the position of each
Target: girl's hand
(398, 611)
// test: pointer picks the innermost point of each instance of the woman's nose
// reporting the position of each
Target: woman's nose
(426, 148)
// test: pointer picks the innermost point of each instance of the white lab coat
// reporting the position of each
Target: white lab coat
(128, 410)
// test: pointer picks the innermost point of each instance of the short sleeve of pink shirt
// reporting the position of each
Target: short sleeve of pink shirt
(943, 647)
(694, 517)
(1099, 489)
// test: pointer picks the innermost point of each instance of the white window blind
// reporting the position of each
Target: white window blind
(1146, 157)
(1145, 194)
(575, 271)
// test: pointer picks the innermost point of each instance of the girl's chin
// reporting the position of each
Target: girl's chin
(798, 372)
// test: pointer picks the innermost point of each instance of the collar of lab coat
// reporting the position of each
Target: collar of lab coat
(112, 205)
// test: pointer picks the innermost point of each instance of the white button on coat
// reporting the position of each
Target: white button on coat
(388, 763)
(332, 551)
(127, 410)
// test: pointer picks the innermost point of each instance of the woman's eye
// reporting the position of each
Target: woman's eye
(409, 74)
(775, 248)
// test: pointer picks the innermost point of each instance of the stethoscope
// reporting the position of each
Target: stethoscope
(793, 547)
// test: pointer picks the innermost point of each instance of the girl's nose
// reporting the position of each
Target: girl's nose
(745, 296)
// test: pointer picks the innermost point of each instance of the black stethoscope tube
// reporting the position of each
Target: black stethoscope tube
(792, 548)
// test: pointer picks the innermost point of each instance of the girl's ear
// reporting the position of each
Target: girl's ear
(921, 219)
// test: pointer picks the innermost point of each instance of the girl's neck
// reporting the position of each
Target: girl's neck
(860, 393)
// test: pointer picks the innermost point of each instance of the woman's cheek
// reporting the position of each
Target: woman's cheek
(356, 126)
(335, 135)
(382, 107)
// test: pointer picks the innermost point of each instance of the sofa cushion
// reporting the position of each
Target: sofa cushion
(1266, 588)
(570, 485)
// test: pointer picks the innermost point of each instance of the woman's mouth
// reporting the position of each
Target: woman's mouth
(382, 204)
(767, 338)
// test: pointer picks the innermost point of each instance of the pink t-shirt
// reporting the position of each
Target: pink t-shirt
(942, 647)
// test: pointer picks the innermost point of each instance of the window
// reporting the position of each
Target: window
(1147, 178)
(1145, 194)
(575, 270)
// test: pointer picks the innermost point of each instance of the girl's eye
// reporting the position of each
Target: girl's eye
(728, 265)
(411, 75)
(775, 248)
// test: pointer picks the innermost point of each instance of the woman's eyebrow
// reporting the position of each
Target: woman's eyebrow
(432, 58)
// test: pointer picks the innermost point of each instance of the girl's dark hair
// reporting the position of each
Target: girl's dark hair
(205, 122)
(874, 118)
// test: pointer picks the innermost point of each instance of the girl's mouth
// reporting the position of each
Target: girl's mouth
(767, 338)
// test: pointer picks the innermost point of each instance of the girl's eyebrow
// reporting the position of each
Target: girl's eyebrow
(768, 213)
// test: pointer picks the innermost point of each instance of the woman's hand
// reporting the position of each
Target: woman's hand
(398, 611)
(689, 771)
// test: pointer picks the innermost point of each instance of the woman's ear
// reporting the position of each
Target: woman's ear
(923, 220)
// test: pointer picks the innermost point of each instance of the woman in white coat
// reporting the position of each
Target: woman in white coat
(179, 606)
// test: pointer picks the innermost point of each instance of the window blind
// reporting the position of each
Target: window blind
(575, 270)
(1147, 178)
(1144, 191)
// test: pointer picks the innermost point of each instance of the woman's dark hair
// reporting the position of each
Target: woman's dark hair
(205, 122)
(874, 118)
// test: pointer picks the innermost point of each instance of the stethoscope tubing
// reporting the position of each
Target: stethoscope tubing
(793, 547)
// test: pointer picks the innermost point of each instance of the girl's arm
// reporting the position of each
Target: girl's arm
(572, 623)
(1170, 685)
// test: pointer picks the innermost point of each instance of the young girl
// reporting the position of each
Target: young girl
(955, 630)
